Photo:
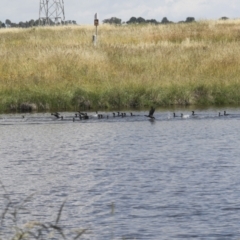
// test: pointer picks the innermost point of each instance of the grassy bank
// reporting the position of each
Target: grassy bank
(132, 66)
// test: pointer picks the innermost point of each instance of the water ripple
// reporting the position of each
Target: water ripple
(175, 179)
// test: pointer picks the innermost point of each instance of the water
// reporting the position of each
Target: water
(172, 178)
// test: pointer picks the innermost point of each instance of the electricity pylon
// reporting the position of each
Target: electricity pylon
(51, 12)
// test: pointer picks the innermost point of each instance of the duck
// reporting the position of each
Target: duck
(151, 112)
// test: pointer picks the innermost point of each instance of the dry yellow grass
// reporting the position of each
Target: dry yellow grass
(135, 65)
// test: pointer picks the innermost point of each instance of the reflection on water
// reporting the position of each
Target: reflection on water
(172, 178)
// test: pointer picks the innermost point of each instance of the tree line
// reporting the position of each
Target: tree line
(113, 20)
(141, 20)
(32, 23)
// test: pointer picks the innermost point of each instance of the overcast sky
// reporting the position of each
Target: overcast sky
(83, 11)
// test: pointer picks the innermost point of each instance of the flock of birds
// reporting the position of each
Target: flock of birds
(85, 116)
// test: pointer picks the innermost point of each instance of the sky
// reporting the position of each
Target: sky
(83, 11)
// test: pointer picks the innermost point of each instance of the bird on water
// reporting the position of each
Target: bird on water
(56, 114)
(225, 113)
(151, 112)
(174, 115)
(184, 115)
(85, 116)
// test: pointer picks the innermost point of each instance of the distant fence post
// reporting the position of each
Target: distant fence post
(96, 23)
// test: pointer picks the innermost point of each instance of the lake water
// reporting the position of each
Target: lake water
(126, 178)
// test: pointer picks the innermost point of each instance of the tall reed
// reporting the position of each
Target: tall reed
(13, 225)
(131, 66)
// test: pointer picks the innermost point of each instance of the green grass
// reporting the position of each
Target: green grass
(131, 66)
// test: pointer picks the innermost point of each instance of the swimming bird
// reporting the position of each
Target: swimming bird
(184, 116)
(225, 113)
(96, 115)
(133, 115)
(174, 115)
(82, 113)
(194, 114)
(85, 116)
(56, 114)
(151, 112)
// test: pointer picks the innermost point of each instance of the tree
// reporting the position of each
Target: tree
(132, 20)
(8, 23)
(141, 20)
(165, 21)
(22, 24)
(113, 20)
(224, 18)
(14, 25)
(152, 21)
(190, 19)
(31, 23)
